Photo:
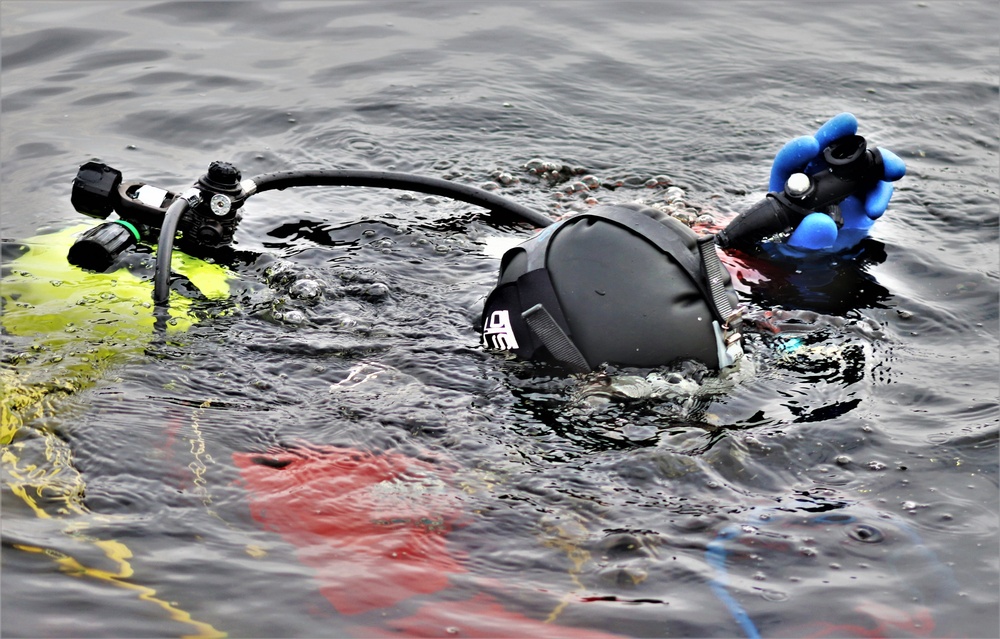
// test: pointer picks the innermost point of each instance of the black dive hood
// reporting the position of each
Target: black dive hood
(622, 284)
(619, 284)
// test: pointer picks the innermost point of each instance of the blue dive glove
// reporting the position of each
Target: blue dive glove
(818, 232)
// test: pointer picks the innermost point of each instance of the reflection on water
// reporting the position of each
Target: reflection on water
(330, 452)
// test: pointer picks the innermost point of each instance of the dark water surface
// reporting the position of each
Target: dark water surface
(844, 487)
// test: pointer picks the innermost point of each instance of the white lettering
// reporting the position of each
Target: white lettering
(498, 332)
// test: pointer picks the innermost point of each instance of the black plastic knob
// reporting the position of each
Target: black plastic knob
(95, 189)
(224, 174)
(98, 248)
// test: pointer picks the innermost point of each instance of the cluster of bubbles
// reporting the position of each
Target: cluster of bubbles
(684, 383)
(575, 189)
(296, 296)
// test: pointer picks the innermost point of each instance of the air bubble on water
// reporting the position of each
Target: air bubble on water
(346, 321)
(685, 217)
(865, 533)
(773, 595)
(377, 290)
(673, 194)
(534, 165)
(503, 177)
(305, 289)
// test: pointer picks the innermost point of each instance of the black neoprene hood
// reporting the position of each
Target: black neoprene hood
(621, 284)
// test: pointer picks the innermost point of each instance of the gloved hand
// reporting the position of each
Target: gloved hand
(818, 232)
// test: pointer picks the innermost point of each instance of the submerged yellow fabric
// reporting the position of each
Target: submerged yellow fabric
(64, 327)
(43, 293)
(78, 322)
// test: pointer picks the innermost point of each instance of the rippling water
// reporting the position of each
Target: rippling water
(842, 484)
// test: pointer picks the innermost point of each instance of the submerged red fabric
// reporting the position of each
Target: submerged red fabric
(371, 526)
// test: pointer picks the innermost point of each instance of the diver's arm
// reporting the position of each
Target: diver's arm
(826, 190)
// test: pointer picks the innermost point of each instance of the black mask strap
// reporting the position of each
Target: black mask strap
(556, 341)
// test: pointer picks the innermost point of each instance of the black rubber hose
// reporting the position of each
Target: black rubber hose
(165, 249)
(401, 181)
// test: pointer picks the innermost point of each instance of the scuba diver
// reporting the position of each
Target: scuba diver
(631, 286)
(622, 284)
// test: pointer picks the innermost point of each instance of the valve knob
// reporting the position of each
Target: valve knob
(223, 174)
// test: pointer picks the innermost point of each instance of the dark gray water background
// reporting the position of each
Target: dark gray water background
(896, 430)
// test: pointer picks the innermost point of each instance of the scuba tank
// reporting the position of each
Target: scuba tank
(43, 293)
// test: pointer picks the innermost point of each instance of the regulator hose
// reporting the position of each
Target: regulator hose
(165, 249)
(333, 177)
(400, 181)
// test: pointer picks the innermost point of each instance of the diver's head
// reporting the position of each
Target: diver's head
(621, 284)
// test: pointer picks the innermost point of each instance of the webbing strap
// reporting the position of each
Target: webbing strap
(727, 335)
(713, 269)
(559, 345)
